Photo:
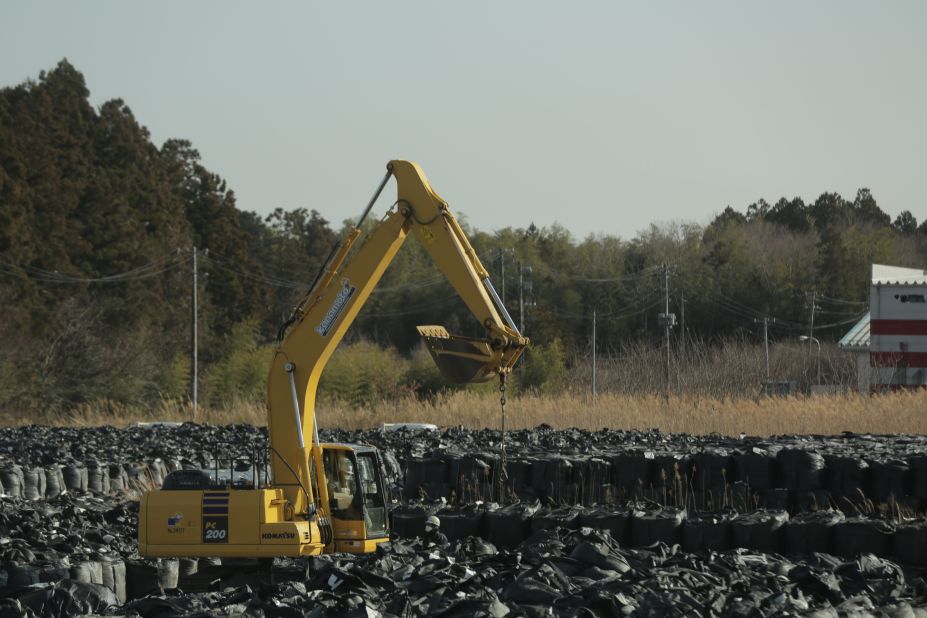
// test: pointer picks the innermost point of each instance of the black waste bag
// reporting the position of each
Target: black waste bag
(472, 547)
(592, 478)
(760, 530)
(422, 474)
(543, 584)
(857, 536)
(519, 473)
(670, 472)
(68, 598)
(118, 479)
(462, 522)
(558, 478)
(630, 474)
(847, 478)
(807, 533)
(188, 567)
(55, 571)
(409, 521)
(475, 608)
(142, 579)
(777, 498)
(114, 576)
(509, 526)
(75, 477)
(870, 576)
(87, 571)
(918, 464)
(34, 483)
(711, 469)
(656, 524)
(11, 479)
(54, 482)
(708, 531)
(740, 497)
(97, 477)
(816, 500)
(616, 521)
(598, 552)
(909, 545)
(890, 478)
(755, 467)
(799, 469)
(468, 470)
(21, 575)
(562, 517)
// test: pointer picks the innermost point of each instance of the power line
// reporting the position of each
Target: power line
(280, 282)
(411, 310)
(152, 269)
(620, 315)
(841, 301)
(627, 277)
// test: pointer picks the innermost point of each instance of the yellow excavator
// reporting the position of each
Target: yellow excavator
(322, 498)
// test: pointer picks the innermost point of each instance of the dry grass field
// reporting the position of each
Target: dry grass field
(901, 412)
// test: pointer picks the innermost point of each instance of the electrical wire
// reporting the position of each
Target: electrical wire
(624, 312)
(273, 282)
(545, 269)
(410, 310)
(841, 301)
(280, 282)
(157, 267)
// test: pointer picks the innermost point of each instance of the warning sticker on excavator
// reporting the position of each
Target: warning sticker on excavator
(341, 301)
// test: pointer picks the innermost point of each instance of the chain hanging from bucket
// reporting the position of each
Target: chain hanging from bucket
(503, 475)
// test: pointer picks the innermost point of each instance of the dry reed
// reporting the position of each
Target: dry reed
(898, 412)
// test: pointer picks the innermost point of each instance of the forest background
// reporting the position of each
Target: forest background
(98, 225)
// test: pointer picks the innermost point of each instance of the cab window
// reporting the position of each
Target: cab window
(341, 481)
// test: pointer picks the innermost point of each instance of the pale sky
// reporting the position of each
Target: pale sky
(602, 116)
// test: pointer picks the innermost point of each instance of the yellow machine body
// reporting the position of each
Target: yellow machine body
(230, 522)
(332, 497)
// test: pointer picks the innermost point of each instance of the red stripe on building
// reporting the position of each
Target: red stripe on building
(898, 359)
(898, 327)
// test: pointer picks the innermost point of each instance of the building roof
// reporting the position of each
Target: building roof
(858, 337)
(897, 275)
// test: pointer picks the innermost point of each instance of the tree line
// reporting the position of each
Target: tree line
(97, 226)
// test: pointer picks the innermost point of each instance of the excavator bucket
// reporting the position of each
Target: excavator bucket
(460, 359)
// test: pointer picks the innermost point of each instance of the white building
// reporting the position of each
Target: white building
(896, 329)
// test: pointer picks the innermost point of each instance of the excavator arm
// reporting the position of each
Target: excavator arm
(331, 306)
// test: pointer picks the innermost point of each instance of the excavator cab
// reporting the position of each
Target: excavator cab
(357, 497)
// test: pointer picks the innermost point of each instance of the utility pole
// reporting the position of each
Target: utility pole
(502, 272)
(193, 367)
(521, 298)
(765, 321)
(593, 353)
(666, 326)
(814, 297)
(667, 320)
(766, 344)
(682, 319)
